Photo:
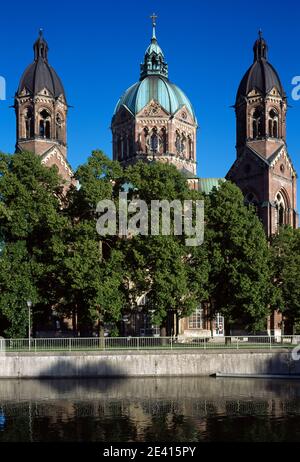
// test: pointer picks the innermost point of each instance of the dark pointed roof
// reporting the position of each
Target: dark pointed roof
(40, 74)
(261, 75)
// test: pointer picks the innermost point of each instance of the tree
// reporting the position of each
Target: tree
(286, 266)
(240, 278)
(90, 267)
(172, 275)
(30, 221)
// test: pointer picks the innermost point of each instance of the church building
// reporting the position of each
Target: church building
(155, 121)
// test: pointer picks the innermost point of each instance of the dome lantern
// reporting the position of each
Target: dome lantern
(154, 61)
(260, 48)
(41, 48)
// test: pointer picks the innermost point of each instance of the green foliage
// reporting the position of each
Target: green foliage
(30, 218)
(240, 276)
(286, 268)
(90, 271)
(173, 276)
(51, 253)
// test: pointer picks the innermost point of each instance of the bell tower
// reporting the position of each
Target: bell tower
(41, 111)
(263, 169)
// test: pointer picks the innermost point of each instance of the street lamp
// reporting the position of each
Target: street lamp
(29, 305)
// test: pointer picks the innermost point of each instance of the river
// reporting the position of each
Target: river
(149, 409)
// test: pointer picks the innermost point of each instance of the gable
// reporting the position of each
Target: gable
(184, 115)
(54, 157)
(247, 164)
(153, 109)
(282, 164)
(274, 92)
(123, 115)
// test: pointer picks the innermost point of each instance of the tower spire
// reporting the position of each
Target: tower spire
(260, 48)
(154, 61)
(154, 18)
(40, 47)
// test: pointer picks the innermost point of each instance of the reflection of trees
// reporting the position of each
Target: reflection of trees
(171, 427)
(177, 420)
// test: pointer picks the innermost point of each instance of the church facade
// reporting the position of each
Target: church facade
(155, 121)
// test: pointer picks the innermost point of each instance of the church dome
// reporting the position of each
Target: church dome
(261, 75)
(157, 88)
(154, 85)
(40, 74)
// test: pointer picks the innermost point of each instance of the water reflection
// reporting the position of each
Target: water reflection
(146, 409)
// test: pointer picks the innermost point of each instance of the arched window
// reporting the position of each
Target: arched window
(178, 145)
(163, 141)
(183, 144)
(29, 128)
(190, 147)
(275, 129)
(280, 205)
(146, 140)
(59, 123)
(273, 123)
(128, 146)
(119, 148)
(45, 124)
(258, 123)
(125, 147)
(154, 141)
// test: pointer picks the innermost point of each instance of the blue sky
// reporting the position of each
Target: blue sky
(96, 47)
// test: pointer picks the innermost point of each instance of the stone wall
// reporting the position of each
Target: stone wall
(141, 364)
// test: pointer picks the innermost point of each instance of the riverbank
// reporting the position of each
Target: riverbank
(146, 364)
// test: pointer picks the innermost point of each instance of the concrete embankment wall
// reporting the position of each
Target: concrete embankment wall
(144, 364)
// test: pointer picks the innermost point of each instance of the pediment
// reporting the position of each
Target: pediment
(153, 109)
(281, 163)
(24, 92)
(184, 115)
(123, 115)
(55, 157)
(44, 92)
(274, 92)
(253, 93)
(248, 157)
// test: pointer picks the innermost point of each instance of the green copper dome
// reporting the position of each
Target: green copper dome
(154, 85)
(157, 88)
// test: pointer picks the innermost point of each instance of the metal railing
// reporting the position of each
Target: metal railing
(148, 343)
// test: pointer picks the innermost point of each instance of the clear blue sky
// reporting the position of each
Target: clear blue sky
(96, 47)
